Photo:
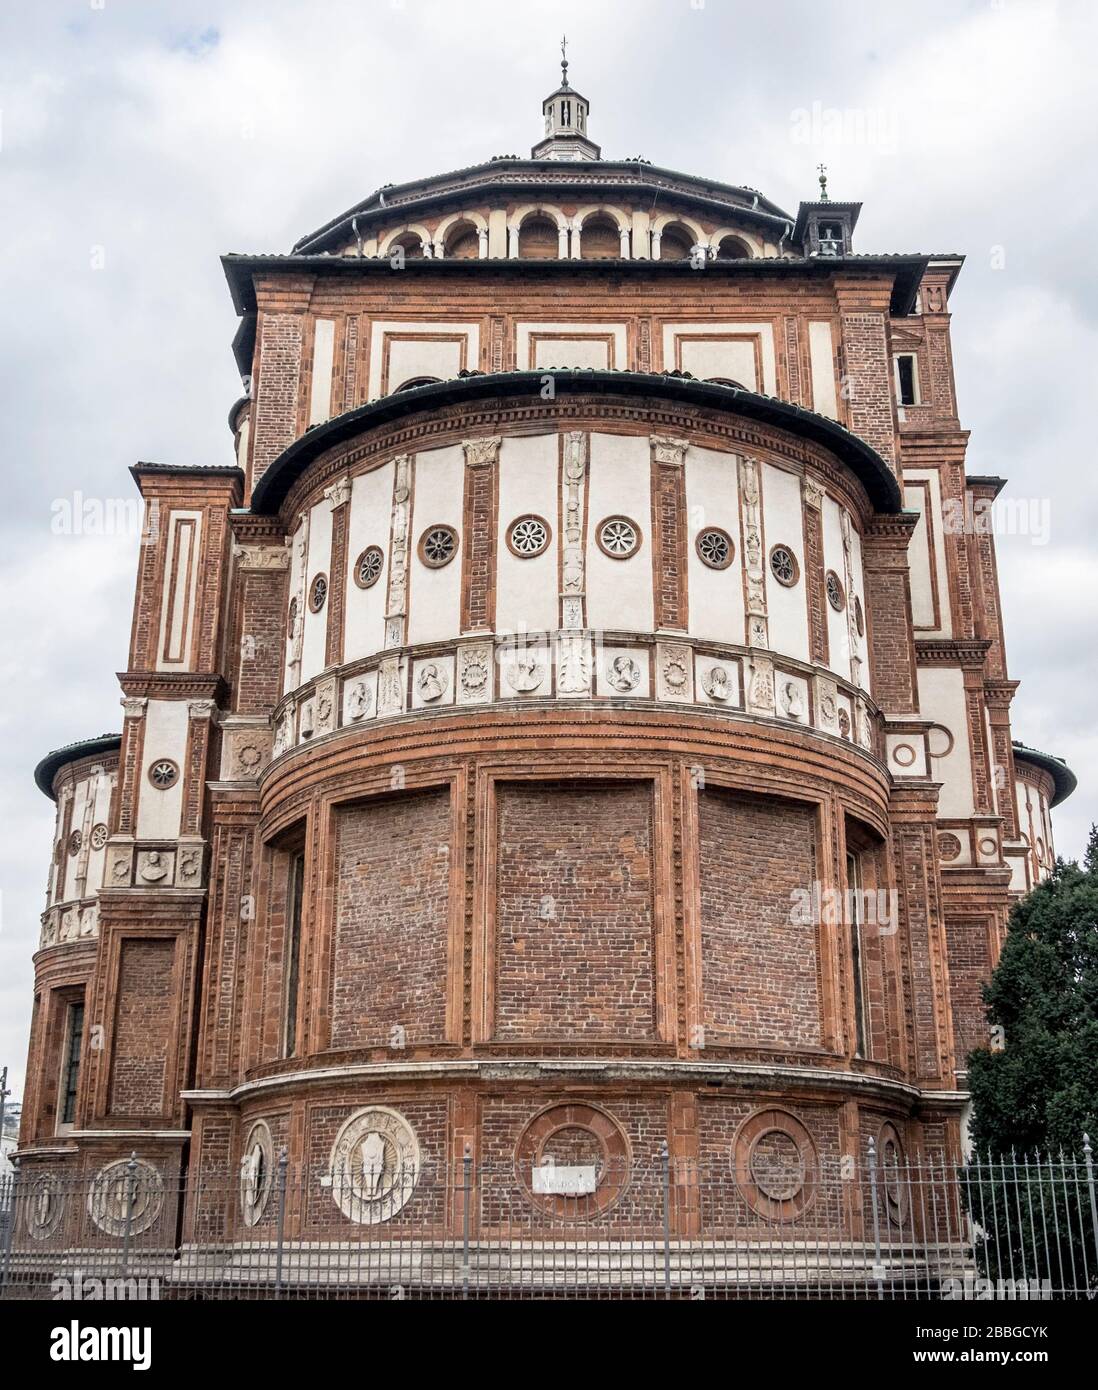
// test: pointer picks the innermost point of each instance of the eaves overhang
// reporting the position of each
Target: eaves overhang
(1062, 775)
(52, 763)
(868, 466)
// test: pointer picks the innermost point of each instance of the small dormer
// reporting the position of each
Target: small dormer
(825, 228)
(565, 113)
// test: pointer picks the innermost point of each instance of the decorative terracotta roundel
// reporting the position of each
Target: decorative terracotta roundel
(904, 755)
(989, 845)
(44, 1207)
(618, 537)
(123, 1197)
(783, 565)
(438, 546)
(573, 1160)
(859, 616)
(98, 836)
(715, 548)
(374, 1166)
(318, 592)
(775, 1164)
(256, 1172)
(164, 774)
(949, 846)
(836, 594)
(76, 839)
(368, 567)
(891, 1173)
(528, 536)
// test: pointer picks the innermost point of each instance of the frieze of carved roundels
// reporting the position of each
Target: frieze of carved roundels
(573, 1159)
(525, 669)
(374, 1166)
(44, 1206)
(432, 682)
(775, 1163)
(623, 674)
(257, 1165)
(126, 1193)
(892, 1173)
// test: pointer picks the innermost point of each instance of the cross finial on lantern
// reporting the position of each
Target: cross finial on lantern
(564, 60)
(823, 182)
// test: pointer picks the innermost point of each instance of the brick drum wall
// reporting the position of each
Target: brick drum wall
(969, 968)
(392, 921)
(759, 969)
(142, 1027)
(574, 895)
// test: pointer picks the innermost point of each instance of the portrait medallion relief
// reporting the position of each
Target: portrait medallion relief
(44, 1207)
(124, 1196)
(257, 1165)
(374, 1166)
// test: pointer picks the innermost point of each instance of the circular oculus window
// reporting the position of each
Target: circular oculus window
(836, 594)
(783, 566)
(528, 536)
(715, 548)
(163, 774)
(368, 567)
(438, 546)
(618, 537)
(318, 592)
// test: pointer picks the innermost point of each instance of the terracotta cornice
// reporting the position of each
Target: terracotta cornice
(173, 685)
(951, 651)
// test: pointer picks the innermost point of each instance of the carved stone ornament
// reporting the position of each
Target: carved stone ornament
(188, 872)
(475, 674)
(284, 732)
(674, 673)
(623, 674)
(432, 682)
(360, 701)
(126, 1194)
(573, 664)
(390, 686)
(481, 452)
(717, 684)
(119, 866)
(668, 451)
(827, 705)
(44, 1205)
(791, 699)
(339, 493)
(374, 1166)
(325, 707)
(573, 502)
(307, 723)
(525, 671)
(155, 867)
(760, 691)
(257, 1166)
(262, 557)
(133, 706)
(396, 605)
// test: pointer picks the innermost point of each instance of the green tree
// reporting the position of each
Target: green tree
(1036, 1095)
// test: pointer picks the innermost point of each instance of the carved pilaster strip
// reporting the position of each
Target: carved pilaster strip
(754, 577)
(812, 495)
(396, 609)
(669, 532)
(478, 541)
(573, 530)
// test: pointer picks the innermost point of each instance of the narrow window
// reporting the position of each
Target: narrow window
(854, 888)
(566, 113)
(293, 954)
(70, 1075)
(906, 382)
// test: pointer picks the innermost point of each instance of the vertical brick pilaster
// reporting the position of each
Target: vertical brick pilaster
(339, 495)
(201, 714)
(124, 809)
(867, 362)
(812, 495)
(888, 612)
(478, 562)
(669, 532)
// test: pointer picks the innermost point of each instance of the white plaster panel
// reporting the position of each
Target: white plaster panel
(320, 393)
(177, 605)
(401, 350)
(370, 523)
(434, 595)
(69, 861)
(783, 524)
(158, 812)
(821, 359)
(622, 673)
(684, 331)
(926, 555)
(942, 699)
(619, 592)
(296, 589)
(716, 602)
(315, 632)
(526, 589)
(598, 345)
(727, 359)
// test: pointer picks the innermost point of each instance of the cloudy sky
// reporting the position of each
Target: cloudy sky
(140, 139)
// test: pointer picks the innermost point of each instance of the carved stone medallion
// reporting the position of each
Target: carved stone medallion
(374, 1166)
(256, 1172)
(118, 1194)
(44, 1207)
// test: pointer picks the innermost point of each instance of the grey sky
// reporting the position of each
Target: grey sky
(139, 141)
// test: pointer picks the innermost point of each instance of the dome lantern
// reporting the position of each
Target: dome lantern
(565, 114)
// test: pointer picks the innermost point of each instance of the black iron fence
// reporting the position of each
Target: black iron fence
(1017, 1228)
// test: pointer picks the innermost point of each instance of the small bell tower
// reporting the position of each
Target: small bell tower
(565, 115)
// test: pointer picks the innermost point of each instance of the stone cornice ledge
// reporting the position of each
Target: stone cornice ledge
(610, 1069)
